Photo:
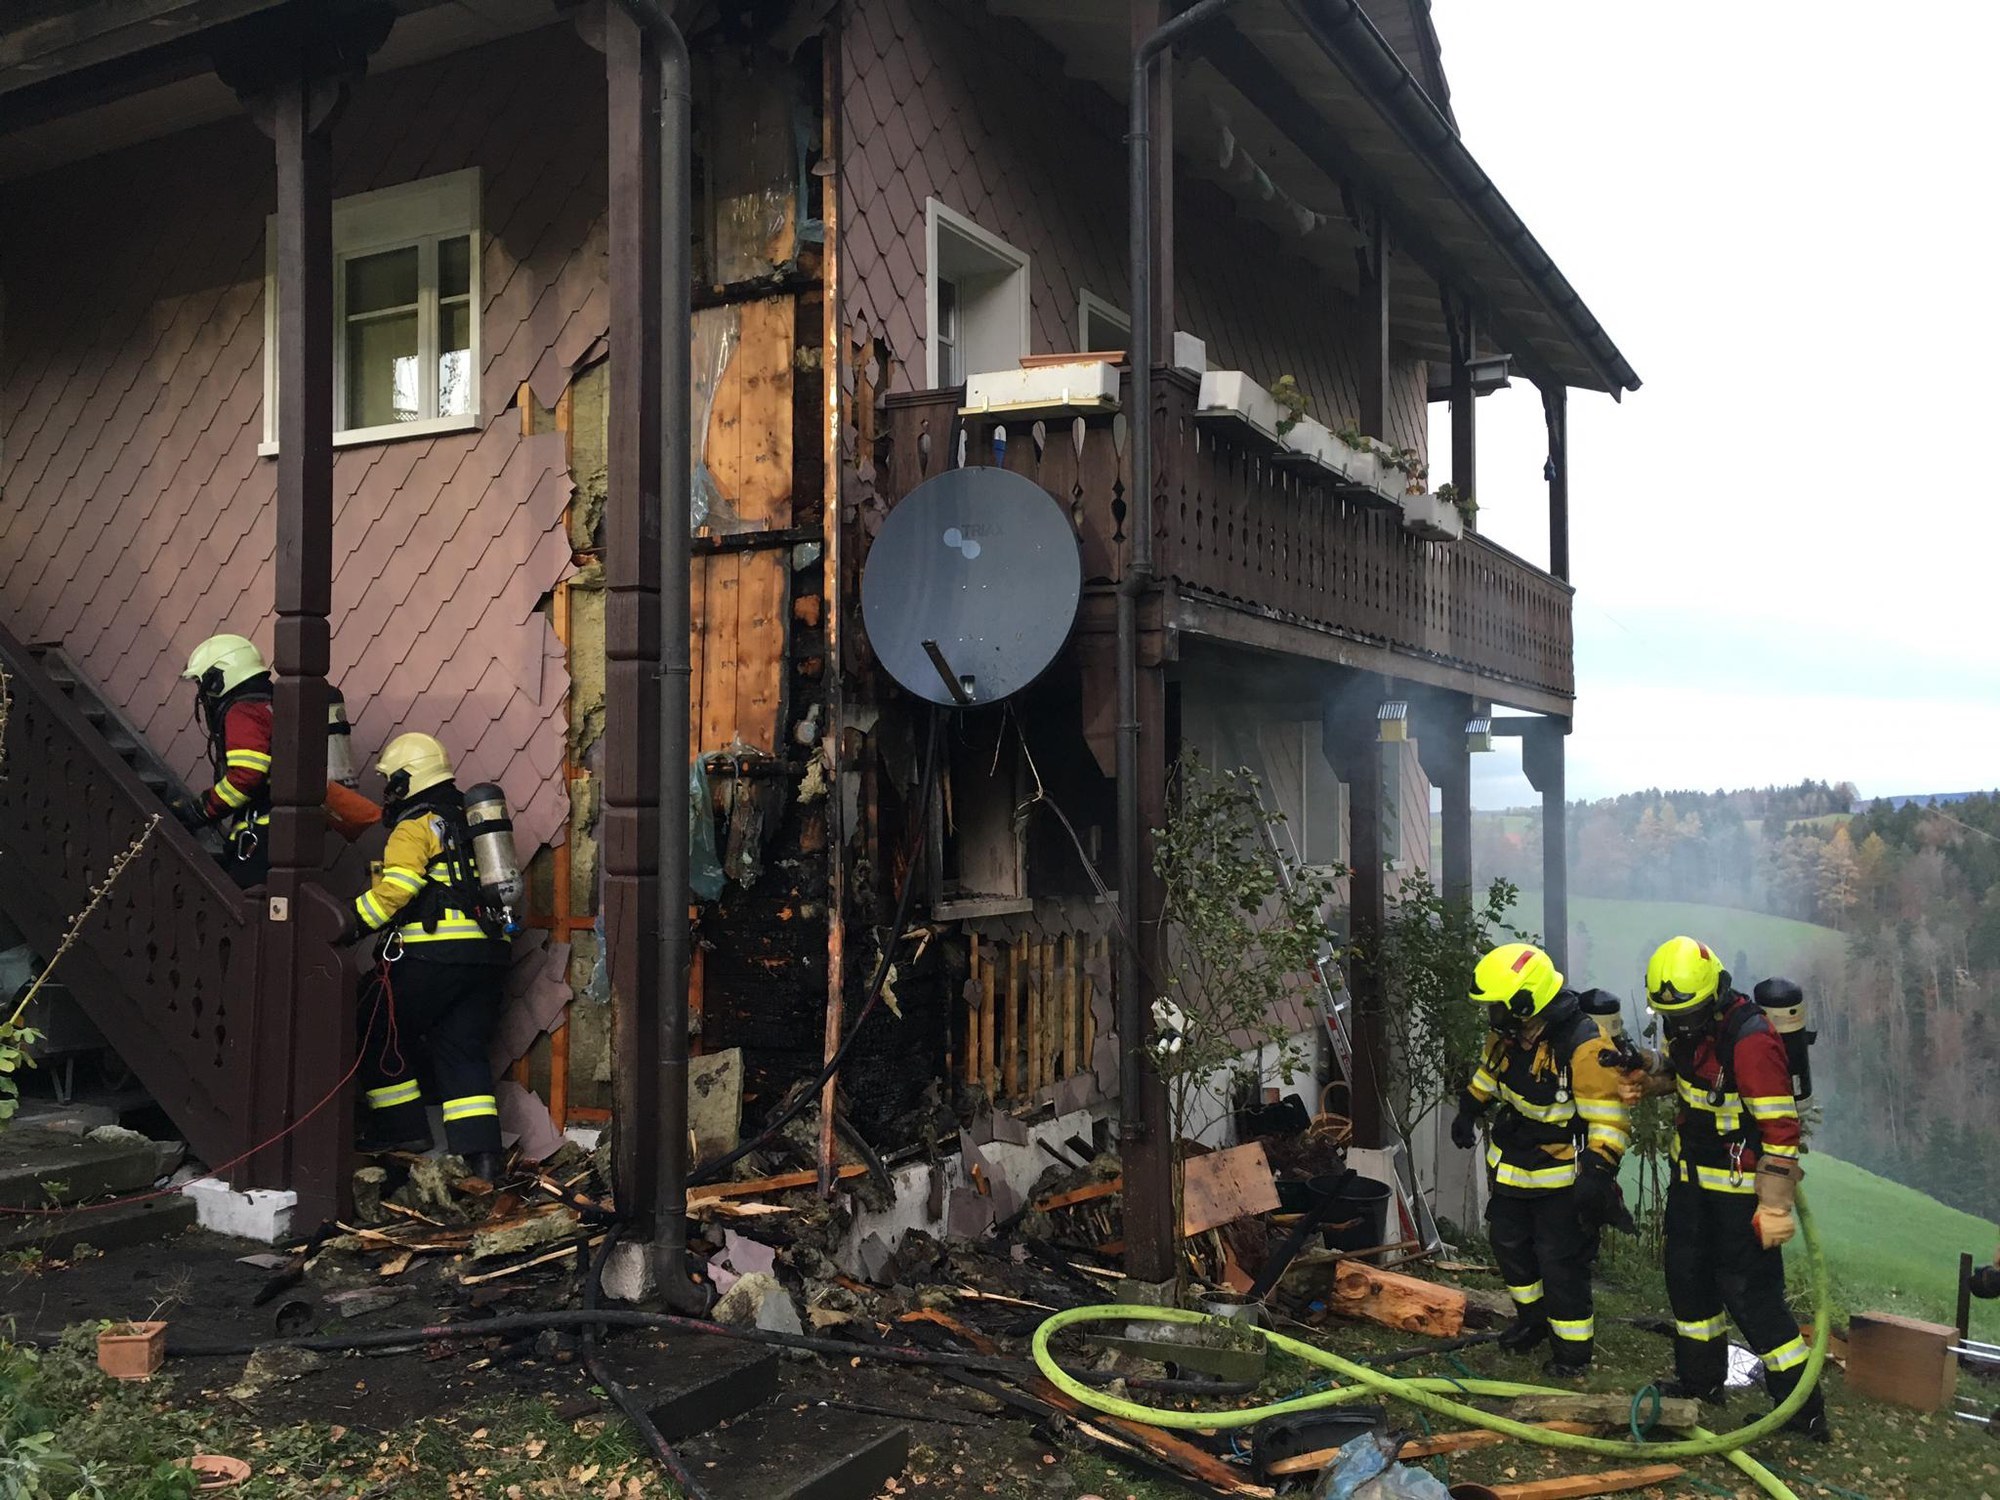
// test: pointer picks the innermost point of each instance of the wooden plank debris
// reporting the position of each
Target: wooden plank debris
(1089, 1193)
(783, 1182)
(1430, 1447)
(1580, 1486)
(1224, 1186)
(1677, 1412)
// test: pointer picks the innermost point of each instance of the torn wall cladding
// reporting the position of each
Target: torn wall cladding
(946, 101)
(135, 513)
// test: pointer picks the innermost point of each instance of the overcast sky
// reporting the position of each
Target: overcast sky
(1785, 564)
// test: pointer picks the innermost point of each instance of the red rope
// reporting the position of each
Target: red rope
(220, 1167)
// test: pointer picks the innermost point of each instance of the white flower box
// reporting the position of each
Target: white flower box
(1233, 397)
(1084, 385)
(1307, 444)
(1428, 516)
(1190, 354)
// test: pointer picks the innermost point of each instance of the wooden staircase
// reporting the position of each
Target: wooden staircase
(186, 976)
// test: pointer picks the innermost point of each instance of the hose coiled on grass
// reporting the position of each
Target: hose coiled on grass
(1429, 1394)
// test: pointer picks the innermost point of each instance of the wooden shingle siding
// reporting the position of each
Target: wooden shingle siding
(944, 100)
(135, 515)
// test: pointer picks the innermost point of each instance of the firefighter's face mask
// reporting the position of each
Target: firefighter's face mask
(1691, 1021)
(395, 792)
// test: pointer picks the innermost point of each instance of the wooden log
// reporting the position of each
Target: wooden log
(1017, 963)
(1361, 1291)
(1580, 1486)
(1679, 1412)
(1072, 1062)
(1101, 951)
(1430, 1447)
(988, 981)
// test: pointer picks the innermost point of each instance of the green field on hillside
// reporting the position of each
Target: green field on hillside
(1891, 1249)
(1609, 940)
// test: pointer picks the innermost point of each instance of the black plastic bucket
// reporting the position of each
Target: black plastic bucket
(1359, 1217)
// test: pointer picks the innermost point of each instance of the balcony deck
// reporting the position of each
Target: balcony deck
(1266, 555)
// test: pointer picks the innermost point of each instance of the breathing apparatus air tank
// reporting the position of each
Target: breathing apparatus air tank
(1784, 1006)
(1606, 1009)
(339, 742)
(494, 861)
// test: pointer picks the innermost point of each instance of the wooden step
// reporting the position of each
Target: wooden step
(692, 1383)
(800, 1452)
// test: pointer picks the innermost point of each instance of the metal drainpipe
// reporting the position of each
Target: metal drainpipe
(1138, 578)
(670, 1267)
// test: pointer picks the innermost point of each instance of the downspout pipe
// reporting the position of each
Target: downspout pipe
(670, 1267)
(1138, 576)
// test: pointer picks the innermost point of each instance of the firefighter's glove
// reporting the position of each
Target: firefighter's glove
(1777, 1192)
(1465, 1126)
(355, 933)
(189, 812)
(1600, 1204)
(1655, 1078)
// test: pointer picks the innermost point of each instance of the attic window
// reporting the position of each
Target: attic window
(406, 321)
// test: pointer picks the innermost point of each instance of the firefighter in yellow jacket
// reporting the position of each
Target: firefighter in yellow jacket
(428, 1013)
(1557, 1131)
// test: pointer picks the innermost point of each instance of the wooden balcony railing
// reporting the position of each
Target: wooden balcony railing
(1230, 524)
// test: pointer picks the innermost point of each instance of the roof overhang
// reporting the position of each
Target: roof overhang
(1310, 121)
(79, 79)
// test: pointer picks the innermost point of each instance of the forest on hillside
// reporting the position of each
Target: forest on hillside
(1909, 1052)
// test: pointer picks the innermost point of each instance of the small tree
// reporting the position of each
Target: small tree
(1240, 936)
(1429, 948)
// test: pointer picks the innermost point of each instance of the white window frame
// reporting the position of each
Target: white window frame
(1092, 308)
(1009, 300)
(412, 213)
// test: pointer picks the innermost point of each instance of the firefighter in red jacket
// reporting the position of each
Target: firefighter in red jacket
(1558, 1130)
(1730, 1207)
(233, 687)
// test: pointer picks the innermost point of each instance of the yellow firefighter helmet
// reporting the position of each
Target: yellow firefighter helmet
(1519, 977)
(223, 663)
(413, 763)
(1682, 975)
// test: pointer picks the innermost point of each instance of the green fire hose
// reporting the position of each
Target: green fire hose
(1430, 1394)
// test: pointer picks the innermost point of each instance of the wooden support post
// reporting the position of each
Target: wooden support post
(1350, 742)
(302, 1050)
(1152, 1241)
(1374, 345)
(1464, 409)
(1037, 1013)
(970, 1072)
(1442, 748)
(1542, 762)
(632, 525)
(1555, 410)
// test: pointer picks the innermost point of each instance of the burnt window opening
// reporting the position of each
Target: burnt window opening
(979, 821)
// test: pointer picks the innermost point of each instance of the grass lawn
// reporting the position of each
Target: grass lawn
(1614, 938)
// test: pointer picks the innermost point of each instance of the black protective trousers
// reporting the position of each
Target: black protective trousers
(1543, 1253)
(1717, 1265)
(431, 1031)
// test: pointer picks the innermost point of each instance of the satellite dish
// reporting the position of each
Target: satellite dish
(972, 586)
